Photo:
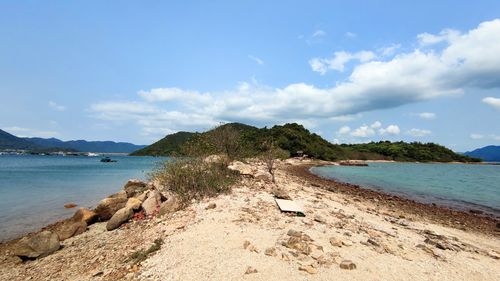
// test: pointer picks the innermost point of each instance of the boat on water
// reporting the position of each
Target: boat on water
(107, 160)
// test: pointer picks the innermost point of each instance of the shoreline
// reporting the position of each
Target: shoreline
(483, 223)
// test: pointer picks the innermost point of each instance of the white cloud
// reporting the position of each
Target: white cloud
(28, 132)
(447, 35)
(319, 33)
(256, 59)
(466, 61)
(363, 132)
(390, 130)
(389, 50)
(493, 102)
(338, 61)
(350, 34)
(344, 130)
(418, 132)
(376, 125)
(476, 136)
(427, 115)
(56, 106)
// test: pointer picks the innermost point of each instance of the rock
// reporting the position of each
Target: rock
(70, 228)
(250, 270)
(319, 219)
(347, 264)
(216, 159)
(242, 168)
(298, 244)
(373, 242)
(108, 207)
(270, 252)
(294, 233)
(308, 268)
(263, 176)
(85, 215)
(336, 242)
(134, 187)
(171, 205)
(133, 203)
(70, 205)
(120, 194)
(317, 254)
(246, 244)
(211, 206)
(38, 246)
(494, 255)
(143, 196)
(281, 193)
(347, 243)
(121, 216)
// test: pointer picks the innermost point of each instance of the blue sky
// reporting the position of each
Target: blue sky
(352, 71)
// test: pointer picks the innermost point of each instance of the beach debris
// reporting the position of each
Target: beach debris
(347, 264)
(37, 246)
(211, 206)
(134, 187)
(121, 216)
(289, 206)
(308, 268)
(108, 207)
(70, 205)
(250, 270)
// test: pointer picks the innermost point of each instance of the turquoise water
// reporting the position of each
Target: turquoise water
(454, 185)
(34, 189)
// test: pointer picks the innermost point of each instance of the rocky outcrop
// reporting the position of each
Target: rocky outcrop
(108, 207)
(37, 246)
(134, 187)
(121, 216)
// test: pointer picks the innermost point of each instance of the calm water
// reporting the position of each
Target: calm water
(454, 185)
(34, 189)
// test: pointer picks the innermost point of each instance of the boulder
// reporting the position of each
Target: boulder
(37, 246)
(85, 215)
(133, 203)
(281, 193)
(108, 207)
(120, 194)
(134, 187)
(263, 176)
(171, 205)
(70, 228)
(242, 168)
(121, 216)
(153, 201)
(143, 196)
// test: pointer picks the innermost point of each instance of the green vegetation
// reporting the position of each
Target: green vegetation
(141, 255)
(249, 142)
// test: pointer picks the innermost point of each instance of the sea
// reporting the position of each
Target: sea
(35, 188)
(461, 186)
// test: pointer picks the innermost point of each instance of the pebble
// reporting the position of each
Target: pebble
(250, 270)
(309, 269)
(347, 264)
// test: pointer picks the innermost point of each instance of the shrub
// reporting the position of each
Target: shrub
(193, 178)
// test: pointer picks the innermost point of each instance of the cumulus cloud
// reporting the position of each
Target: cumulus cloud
(344, 130)
(418, 132)
(476, 136)
(338, 61)
(319, 33)
(461, 61)
(56, 106)
(363, 132)
(493, 102)
(28, 132)
(390, 130)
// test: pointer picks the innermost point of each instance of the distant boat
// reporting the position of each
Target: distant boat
(107, 160)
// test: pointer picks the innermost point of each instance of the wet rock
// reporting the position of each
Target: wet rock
(211, 206)
(37, 246)
(347, 264)
(250, 270)
(134, 187)
(70, 228)
(70, 205)
(85, 215)
(133, 203)
(308, 268)
(119, 217)
(108, 207)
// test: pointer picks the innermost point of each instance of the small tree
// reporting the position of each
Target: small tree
(227, 139)
(269, 156)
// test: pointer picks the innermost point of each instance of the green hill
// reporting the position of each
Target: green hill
(9, 141)
(167, 146)
(294, 138)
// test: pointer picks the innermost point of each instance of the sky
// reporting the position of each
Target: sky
(350, 71)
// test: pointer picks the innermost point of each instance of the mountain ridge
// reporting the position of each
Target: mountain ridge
(489, 153)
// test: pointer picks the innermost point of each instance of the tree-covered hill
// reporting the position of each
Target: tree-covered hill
(295, 138)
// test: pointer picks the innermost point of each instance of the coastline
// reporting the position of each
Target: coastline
(484, 223)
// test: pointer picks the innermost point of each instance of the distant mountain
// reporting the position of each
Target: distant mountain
(294, 138)
(166, 146)
(489, 153)
(9, 141)
(87, 146)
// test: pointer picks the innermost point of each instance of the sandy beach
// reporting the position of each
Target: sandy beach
(348, 233)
